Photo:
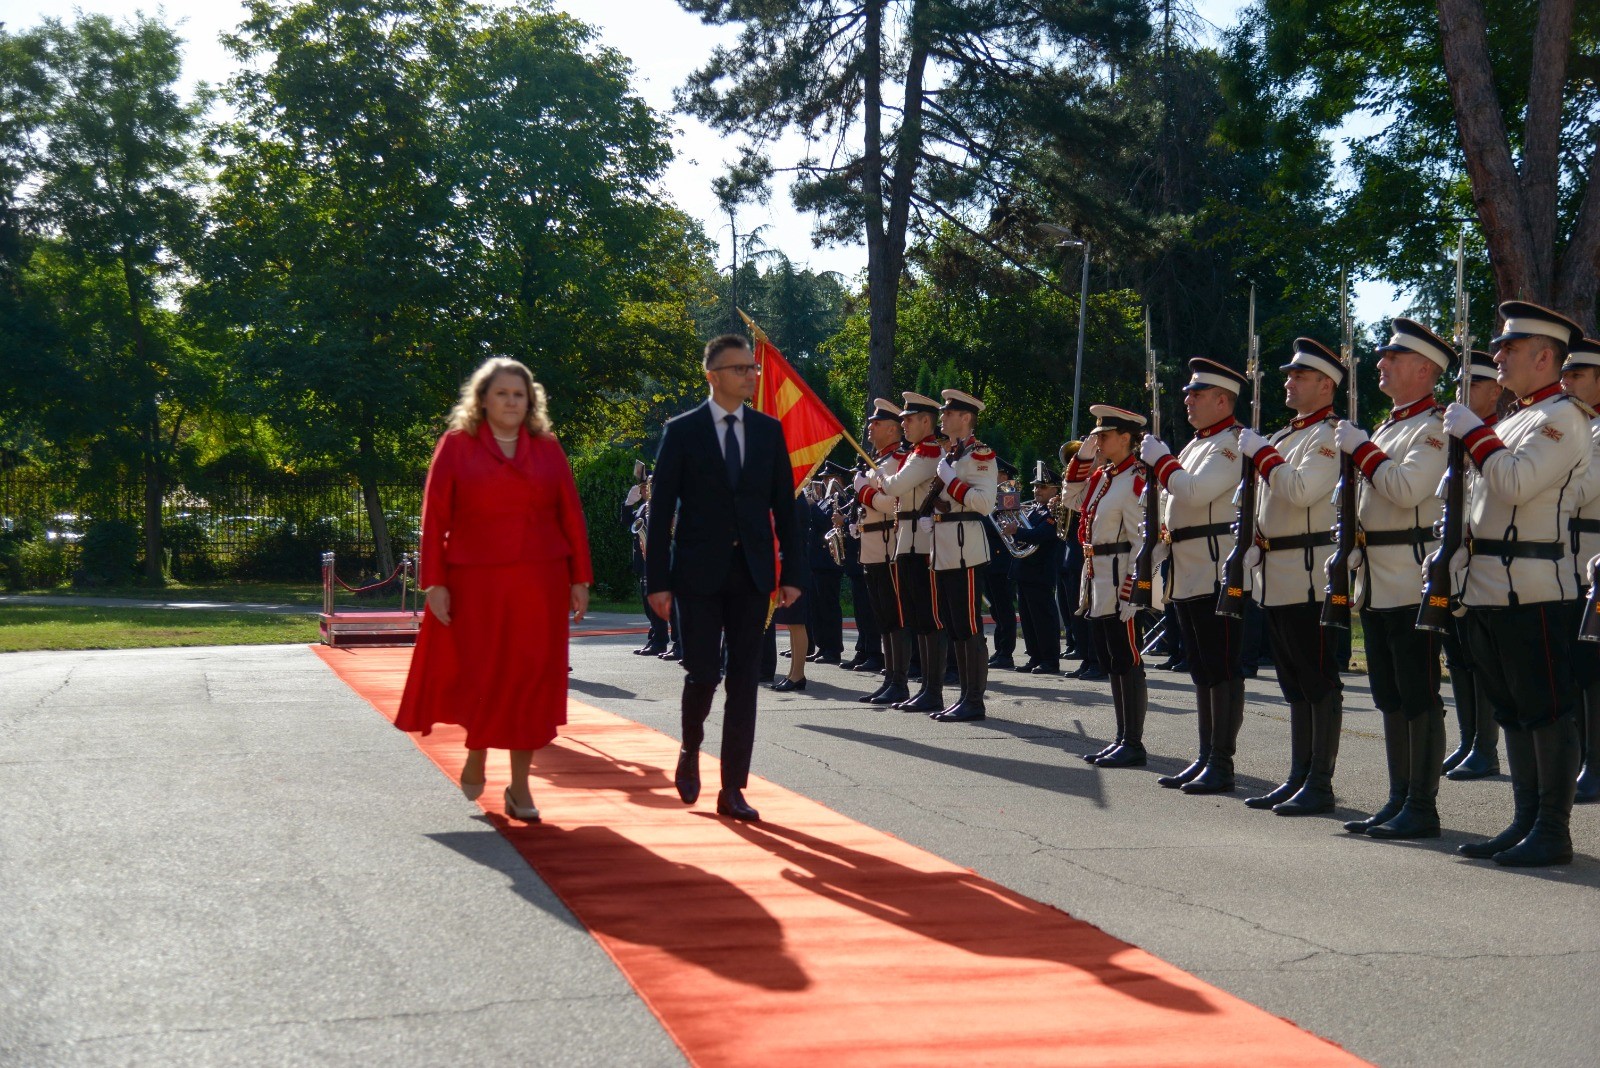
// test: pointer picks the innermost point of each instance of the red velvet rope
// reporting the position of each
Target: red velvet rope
(374, 586)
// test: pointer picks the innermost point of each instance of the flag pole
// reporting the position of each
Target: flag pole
(760, 335)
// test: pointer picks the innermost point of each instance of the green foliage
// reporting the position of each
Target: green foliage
(604, 475)
(42, 563)
(109, 554)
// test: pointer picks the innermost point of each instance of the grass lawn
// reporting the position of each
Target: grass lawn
(33, 627)
(305, 594)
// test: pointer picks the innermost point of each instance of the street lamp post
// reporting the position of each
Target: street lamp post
(1069, 241)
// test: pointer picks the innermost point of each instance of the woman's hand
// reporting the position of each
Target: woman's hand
(439, 603)
(580, 601)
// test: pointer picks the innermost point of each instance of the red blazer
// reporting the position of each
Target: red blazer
(482, 508)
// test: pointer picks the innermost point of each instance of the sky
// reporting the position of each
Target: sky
(664, 44)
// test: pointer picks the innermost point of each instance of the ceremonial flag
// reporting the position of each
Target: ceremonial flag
(809, 428)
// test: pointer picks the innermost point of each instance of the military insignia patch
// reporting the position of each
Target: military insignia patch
(1434, 443)
(1552, 433)
(1327, 452)
(1230, 455)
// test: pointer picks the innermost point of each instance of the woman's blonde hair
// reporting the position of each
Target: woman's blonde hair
(468, 413)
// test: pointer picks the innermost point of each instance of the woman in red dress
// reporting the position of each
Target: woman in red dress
(505, 559)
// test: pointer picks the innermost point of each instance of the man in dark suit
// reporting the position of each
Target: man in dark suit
(723, 470)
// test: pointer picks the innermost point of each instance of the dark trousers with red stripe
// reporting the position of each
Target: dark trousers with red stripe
(1302, 651)
(1402, 662)
(1210, 642)
(1117, 644)
(1522, 657)
(884, 601)
(961, 601)
(919, 607)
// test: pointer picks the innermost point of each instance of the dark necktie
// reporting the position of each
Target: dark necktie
(730, 450)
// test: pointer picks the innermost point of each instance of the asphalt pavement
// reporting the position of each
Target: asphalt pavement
(222, 856)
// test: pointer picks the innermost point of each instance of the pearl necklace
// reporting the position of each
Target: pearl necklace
(512, 440)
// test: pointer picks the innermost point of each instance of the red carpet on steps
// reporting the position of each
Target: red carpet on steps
(810, 939)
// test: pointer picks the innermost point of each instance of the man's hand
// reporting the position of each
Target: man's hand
(1152, 449)
(635, 495)
(1251, 442)
(661, 603)
(1459, 420)
(1347, 437)
(875, 479)
(580, 601)
(925, 524)
(946, 470)
(861, 482)
(1089, 449)
(439, 603)
(788, 595)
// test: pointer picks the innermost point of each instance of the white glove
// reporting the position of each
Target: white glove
(634, 496)
(861, 482)
(1089, 449)
(1126, 611)
(875, 479)
(855, 530)
(946, 471)
(1592, 564)
(1349, 437)
(925, 524)
(1358, 556)
(1458, 566)
(1153, 449)
(1251, 442)
(1459, 420)
(1252, 557)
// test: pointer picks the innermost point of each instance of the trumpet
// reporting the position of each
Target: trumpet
(834, 538)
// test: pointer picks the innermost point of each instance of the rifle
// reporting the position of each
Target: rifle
(1142, 595)
(1440, 599)
(1230, 599)
(1336, 605)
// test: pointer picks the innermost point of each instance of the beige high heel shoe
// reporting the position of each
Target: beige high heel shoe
(517, 812)
(470, 790)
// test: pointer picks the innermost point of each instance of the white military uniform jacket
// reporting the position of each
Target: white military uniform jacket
(1586, 498)
(1295, 497)
(1111, 505)
(962, 543)
(1400, 467)
(1200, 483)
(912, 484)
(1529, 465)
(878, 509)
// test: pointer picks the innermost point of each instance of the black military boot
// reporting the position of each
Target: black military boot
(1203, 714)
(1484, 758)
(1555, 752)
(1465, 688)
(1524, 797)
(931, 697)
(1316, 796)
(1135, 699)
(1227, 714)
(1419, 816)
(973, 653)
(1588, 790)
(1299, 758)
(896, 658)
(1118, 703)
(1397, 751)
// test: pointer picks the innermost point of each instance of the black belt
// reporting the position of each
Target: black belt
(908, 515)
(1584, 526)
(959, 517)
(873, 528)
(1207, 530)
(1109, 548)
(1524, 550)
(1295, 541)
(1404, 536)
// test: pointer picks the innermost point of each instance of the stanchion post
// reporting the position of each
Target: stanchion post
(327, 583)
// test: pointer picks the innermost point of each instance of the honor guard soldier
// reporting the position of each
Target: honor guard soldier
(1397, 507)
(1037, 574)
(1580, 378)
(1000, 582)
(1110, 497)
(1298, 469)
(1197, 524)
(1521, 595)
(913, 550)
(889, 451)
(967, 475)
(1477, 756)
(825, 616)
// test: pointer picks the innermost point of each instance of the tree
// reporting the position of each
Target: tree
(114, 163)
(932, 88)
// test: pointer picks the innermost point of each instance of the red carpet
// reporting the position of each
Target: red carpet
(810, 939)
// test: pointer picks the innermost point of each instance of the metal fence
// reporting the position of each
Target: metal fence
(261, 528)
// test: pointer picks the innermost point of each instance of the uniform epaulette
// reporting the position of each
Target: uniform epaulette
(929, 449)
(980, 451)
(1582, 406)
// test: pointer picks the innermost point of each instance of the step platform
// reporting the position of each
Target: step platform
(351, 627)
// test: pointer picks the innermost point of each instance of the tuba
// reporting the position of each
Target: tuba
(1008, 516)
(1058, 504)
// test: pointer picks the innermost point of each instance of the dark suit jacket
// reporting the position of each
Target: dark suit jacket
(719, 526)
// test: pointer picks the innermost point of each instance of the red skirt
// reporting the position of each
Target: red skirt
(500, 668)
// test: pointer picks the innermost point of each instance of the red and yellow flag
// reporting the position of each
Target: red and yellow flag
(809, 428)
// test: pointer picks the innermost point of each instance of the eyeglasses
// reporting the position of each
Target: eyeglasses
(741, 369)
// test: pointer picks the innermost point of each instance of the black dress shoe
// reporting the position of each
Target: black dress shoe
(853, 663)
(826, 658)
(670, 654)
(1094, 674)
(871, 664)
(1001, 660)
(687, 776)
(650, 650)
(1025, 669)
(1047, 669)
(785, 684)
(731, 803)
